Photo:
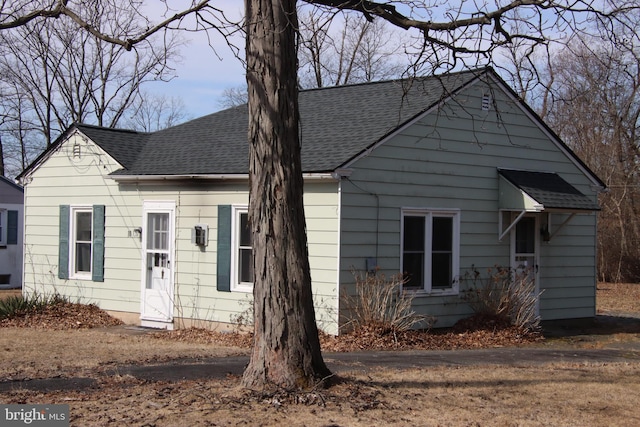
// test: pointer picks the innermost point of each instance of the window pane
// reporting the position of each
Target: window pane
(441, 270)
(442, 232)
(442, 253)
(83, 226)
(160, 240)
(414, 233)
(158, 234)
(83, 257)
(413, 268)
(245, 267)
(525, 235)
(245, 231)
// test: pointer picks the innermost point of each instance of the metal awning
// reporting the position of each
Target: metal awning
(540, 191)
(526, 192)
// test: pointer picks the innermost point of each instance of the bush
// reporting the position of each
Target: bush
(18, 305)
(504, 293)
(380, 304)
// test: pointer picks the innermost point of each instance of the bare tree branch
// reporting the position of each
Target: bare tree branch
(60, 8)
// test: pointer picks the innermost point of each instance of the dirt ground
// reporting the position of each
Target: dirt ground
(562, 393)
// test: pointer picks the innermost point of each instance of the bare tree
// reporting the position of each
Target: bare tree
(156, 112)
(337, 49)
(54, 75)
(286, 351)
(20, 134)
(233, 96)
(596, 89)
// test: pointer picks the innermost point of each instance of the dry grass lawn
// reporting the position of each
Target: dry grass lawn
(619, 298)
(592, 394)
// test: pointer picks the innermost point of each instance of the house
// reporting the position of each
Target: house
(432, 177)
(11, 210)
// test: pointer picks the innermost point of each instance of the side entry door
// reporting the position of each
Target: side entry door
(158, 247)
(525, 242)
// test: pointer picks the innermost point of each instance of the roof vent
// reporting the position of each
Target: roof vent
(486, 102)
(77, 151)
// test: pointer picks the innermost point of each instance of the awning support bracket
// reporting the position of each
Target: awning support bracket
(565, 222)
(513, 223)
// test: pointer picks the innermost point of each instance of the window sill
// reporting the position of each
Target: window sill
(246, 289)
(421, 293)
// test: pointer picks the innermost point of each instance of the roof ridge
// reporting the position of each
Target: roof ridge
(475, 71)
(110, 129)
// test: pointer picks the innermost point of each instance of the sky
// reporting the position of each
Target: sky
(203, 74)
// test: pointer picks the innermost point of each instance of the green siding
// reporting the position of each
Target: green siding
(449, 159)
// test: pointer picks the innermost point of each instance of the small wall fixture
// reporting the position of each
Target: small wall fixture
(544, 232)
(200, 235)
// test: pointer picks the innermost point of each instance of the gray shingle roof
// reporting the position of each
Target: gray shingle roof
(337, 124)
(549, 189)
(123, 145)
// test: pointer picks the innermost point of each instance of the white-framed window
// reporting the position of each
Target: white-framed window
(242, 251)
(430, 255)
(81, 242)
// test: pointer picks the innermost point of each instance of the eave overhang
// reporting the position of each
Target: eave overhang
(208, 177)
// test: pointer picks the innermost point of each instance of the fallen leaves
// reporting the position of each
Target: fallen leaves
(475, 332)
(62, 316)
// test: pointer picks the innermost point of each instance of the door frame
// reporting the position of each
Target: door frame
(158, 206)
(536, 254)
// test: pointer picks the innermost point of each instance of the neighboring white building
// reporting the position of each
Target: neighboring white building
(432, 177)
(11, 213)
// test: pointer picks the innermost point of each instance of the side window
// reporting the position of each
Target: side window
(241, 258)
(81, 244)
(430, 250)
(234, 268)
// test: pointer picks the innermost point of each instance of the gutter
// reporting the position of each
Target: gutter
(314, 176)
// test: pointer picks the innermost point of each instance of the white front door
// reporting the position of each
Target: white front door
(525, 241)
(157, 283)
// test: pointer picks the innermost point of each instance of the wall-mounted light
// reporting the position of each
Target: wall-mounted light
(137, 232)
(200, 235)
(546, 235)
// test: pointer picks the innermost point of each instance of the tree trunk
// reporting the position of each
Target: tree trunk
(286, 349)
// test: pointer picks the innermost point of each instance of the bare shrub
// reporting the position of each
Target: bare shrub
(504, 293)
(380, 304)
